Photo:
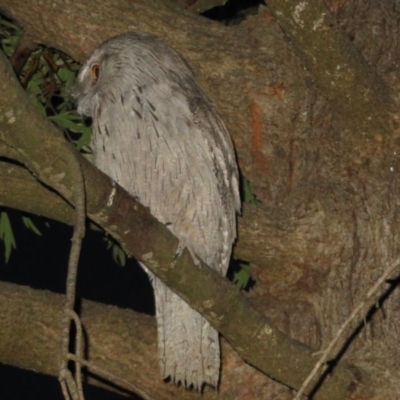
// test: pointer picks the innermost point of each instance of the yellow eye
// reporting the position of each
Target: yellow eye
(95, 72)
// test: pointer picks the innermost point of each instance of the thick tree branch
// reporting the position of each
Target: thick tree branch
(362, 101)
(257, 227)
(249, 332)
(22, 191)
(121, 341)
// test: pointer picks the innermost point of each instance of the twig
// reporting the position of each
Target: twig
(109, 376)
(22, 53)
(78, 351)
(66, 379)
(361, 304)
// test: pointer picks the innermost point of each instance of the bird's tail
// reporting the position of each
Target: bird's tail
(188, 347)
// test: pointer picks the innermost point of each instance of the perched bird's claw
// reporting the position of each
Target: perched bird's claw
(181, 246)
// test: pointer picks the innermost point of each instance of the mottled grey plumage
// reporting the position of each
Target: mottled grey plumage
(157, 135)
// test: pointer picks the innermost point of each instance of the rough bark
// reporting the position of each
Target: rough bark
(120, 341)
(324, 163)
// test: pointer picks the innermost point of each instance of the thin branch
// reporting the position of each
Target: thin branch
(109, 376)
(79, 351)
(74, 385)
(361, 305)
(22, 53)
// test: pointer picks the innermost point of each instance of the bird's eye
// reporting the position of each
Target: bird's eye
(95, 72)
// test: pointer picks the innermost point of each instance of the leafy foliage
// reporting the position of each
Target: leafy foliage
(118, 253)
(48, 77)
(9, 36)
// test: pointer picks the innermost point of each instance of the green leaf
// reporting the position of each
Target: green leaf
(67, 76)
(7, 235)
(248, 197)
(31, 226)
(10, 26)
(242, 278)
(95, 227)
(84, 140)
(39, 106)
(119, 255)
(73, 121)
(69, 120)
(66, 120)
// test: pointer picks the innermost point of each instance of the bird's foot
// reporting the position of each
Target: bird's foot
(181, 246)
